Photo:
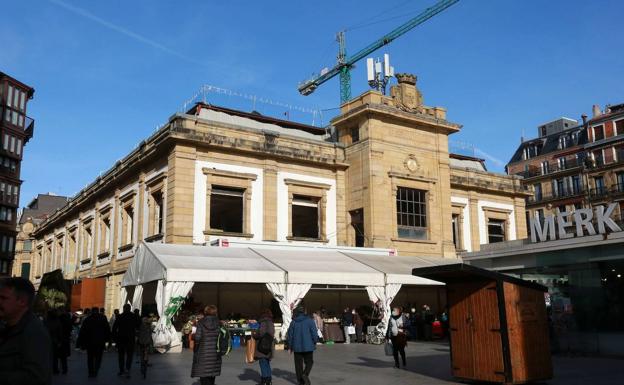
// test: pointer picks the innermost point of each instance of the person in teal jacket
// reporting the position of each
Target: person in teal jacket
(302, 338)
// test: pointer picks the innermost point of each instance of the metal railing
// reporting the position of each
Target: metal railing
(563, 193)
(15, 118)
(552, 169)
(611, 191)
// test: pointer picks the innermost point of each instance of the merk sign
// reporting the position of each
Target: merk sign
(585, 222)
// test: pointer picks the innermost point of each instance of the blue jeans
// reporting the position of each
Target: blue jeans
(265, 367)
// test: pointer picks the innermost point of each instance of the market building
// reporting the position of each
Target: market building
(16, 129)
(379, 178)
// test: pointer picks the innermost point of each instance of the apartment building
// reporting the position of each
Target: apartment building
(16, 129)
(573, 165)
(380, 176)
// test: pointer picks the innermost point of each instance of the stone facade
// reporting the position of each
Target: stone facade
(286, 182)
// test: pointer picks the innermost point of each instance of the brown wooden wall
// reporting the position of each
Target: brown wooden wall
(528, 333)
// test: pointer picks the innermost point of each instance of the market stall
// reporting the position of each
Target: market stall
(286, 272)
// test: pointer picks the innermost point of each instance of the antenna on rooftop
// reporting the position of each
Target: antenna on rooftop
(379, 73)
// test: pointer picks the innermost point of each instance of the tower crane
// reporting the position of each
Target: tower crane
(344, 65)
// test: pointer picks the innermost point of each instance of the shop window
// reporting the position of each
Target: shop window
(411, 213)
(305, 217)
(496, 230)
(226, 209)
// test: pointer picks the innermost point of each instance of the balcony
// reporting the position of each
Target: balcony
(564, 193)
(607, 192)
(571, 164)
(10, 117)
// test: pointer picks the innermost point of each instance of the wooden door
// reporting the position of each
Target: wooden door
(486, 334)
(460, 329)
(476, 345)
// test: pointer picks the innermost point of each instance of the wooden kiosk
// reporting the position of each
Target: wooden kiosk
(498, 325)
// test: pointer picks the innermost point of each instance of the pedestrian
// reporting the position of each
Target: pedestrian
(414, 320)
(25, 348)
(206, 357)
(55, 330)
(302, 337)
(124, 333)
(320, 324)
(347, 322)
(359, 326)
(396, 334)
(265, 346)
(427, 318)
(93, 336)
(65, 349)
(145, 342)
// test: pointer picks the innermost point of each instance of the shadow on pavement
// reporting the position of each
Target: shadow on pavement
(435, 366)
(285, 375)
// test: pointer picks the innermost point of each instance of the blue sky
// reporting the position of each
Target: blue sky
(107, 73)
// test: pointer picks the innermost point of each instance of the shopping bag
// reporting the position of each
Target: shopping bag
(320, 333)
(388, 348)
(250, 349)
(351, 330)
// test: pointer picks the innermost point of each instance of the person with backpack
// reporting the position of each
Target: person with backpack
(211, 343)
(302, 338)
(265, 345)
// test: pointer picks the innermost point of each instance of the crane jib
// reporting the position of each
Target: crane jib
(309, 86)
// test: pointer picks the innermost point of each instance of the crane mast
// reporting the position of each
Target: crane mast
(344, 65)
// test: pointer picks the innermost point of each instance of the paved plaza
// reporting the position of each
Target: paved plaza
(428, 364)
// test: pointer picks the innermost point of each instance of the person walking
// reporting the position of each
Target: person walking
(25, 347)
(396, 334)
(55, 330)
(318, 320)
(206, 358)
(302, 337)
(124, 333)
(265, 336)
(359, 326)
(67, 327)
(347, 322)
(93, 336)
(145, 342)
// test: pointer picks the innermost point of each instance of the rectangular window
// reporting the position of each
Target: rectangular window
(156, 213)
(226, 209)
(10, 96)
(496, 230)
(5, 144)
(538, 191)
(598, 133)
(305, 217)
(620, 181)
(18, 148)
(105, 231)
(544, 166)
(25, 270)
(456, 232)
(561, 163)
(600, 187)
(355, 134)
(22, 105)
(560, 187)
(12, 147)
(619, 127)
(4, 266)
(128, 225)
(576, 184)
(411, 213)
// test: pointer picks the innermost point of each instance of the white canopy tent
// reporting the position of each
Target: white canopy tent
(287, 273)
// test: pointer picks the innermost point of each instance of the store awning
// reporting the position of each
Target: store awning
(191, 263)
(399, 269)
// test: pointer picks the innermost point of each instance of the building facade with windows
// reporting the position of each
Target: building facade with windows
(16, 129)
(573, 167)
(381, 176)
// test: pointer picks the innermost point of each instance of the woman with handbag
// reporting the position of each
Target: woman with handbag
(396, 333)
(265, 345)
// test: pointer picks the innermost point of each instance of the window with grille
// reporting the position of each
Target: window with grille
(496, 230)
(411, 213)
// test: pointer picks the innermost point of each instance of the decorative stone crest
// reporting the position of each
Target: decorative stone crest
(411, 163)
(406, 96)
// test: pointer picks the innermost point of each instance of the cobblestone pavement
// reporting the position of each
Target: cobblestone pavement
(428, 364)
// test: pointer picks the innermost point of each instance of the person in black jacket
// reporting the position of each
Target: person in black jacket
(93, 336)
(347, 321)
(124, 334)
(25, 351)
(206, 358)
